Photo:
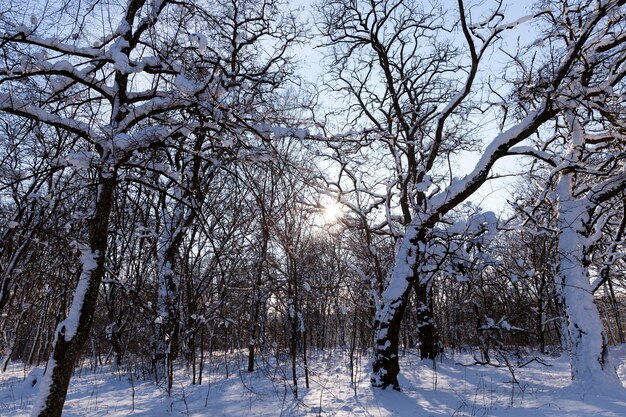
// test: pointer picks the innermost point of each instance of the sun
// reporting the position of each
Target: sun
(332, 212)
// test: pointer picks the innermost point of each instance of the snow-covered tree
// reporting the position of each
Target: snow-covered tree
(123, 80)
(411, 92)
(583, 159)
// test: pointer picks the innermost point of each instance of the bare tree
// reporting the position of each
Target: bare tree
(583, 159)
(389, 38)
(147, 81)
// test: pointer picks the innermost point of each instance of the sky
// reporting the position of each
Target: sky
(493, 195)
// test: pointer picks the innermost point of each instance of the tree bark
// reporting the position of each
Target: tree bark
(386, 366)
(258, 298)
(426, 328)
(588, 345)
(587, 340)
(72, 333)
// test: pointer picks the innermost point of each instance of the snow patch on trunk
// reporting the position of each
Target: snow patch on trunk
(69, 326)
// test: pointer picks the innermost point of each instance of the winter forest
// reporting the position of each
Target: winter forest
(279, 207)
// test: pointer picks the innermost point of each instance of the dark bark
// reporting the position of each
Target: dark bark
(293, 339)
(305, 360)
(616, 313)
(386, 366)
(11, 346)
(66, 352)
(257, 293)
(118, 322)
(37, 341)
(426, 328)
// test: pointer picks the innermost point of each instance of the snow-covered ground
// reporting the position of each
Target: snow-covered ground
(448, 390)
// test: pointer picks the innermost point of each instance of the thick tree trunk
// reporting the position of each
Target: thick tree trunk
(385, 365)
(426, 328)
(588, 344)
(72, 333)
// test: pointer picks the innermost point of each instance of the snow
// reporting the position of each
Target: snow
(402, 271)
(445, 390)
(63, 65)
(281, 132)
(122, 141)
(33, 383)
(120, 59)
(122, 28)
(9, 102)
(80, 159)
(585, 329)
(516, 23)
(69, 326)
(201, 40)
(186, 86)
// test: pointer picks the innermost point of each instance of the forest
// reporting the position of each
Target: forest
(272, 179)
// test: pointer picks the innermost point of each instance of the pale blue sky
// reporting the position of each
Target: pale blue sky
(491, 196)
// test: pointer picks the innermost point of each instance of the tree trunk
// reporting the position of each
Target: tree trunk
(168, 325)
(385, 365)
(251, 355)
(72, 333)
(201, 365)
(293, 339)
(305, 360)
(34, 350)
(540, 329)
(588, 345)
(587, 340)
(426, 328)
(118, 320)
(254, 328)
(12, 342)
(615, 309)
(257, 292)
(167, 334)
